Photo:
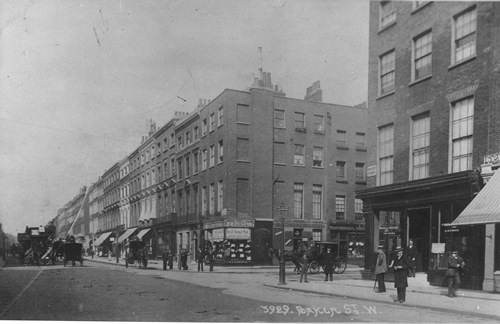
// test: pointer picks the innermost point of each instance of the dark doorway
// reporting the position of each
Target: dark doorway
(419, 231)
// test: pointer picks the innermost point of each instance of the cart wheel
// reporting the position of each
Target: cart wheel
(314, 267)
(340, 265)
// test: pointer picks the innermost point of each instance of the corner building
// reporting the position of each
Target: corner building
(244, 154)
(433, 107)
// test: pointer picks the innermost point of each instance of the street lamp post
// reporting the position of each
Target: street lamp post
(282, 209)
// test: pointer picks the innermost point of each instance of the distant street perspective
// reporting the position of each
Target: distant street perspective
(101, 290)
(262, 161)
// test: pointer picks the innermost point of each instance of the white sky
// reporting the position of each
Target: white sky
(79, 79)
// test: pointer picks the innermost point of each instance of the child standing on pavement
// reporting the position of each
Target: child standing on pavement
(304, 266)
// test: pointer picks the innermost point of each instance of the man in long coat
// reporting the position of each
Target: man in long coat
(455, 266)
(328, 262)
(381, 269)
(400, 266)
(411, 256)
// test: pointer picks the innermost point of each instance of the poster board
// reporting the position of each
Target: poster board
(438, 247)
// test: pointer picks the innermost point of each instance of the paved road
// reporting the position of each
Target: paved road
(100, 292)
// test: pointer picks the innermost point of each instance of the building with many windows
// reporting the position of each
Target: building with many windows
(433, 107)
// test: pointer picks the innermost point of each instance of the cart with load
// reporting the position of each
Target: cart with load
(37, 245)
(73, 253)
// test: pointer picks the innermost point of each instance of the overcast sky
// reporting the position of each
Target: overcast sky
(79, 79)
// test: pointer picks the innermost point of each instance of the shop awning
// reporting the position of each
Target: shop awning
(125, 235)
(142, 233)
(485, 207)
(102, 238)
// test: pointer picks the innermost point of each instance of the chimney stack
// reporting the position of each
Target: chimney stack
(314, 93)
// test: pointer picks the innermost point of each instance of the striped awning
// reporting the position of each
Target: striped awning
(102, 238)
(485, 207)
(142, 233)
(125, 235)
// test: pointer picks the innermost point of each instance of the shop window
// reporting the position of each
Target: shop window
(356, 247)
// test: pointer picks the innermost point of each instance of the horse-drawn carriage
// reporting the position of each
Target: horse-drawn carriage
(73, 252)
(136, 253)
(315, 255)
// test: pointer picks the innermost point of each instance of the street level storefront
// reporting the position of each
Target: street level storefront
(418, 210)
(484, 213)
(238, 241)
(348, 241)
(103, 245)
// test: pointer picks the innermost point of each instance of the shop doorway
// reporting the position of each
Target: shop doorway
(419, 229)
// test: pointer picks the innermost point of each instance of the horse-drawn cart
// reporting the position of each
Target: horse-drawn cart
(315, 255)
(135, 254)
(73, 253)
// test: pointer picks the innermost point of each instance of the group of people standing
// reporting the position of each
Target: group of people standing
(404, 266)
(168, 259)
(327, 260)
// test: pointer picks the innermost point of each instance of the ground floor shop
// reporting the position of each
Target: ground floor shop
(420, 210)
(348, 241)
(238, 241)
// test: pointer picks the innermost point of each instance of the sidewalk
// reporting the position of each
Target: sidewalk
(468, 302)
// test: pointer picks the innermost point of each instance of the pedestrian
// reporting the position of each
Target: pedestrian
(211, 257)
(200, 256)
(304, 266)
(381, 269)
(328, 262)
(411, 255)
(170, 260)
(145, 253)
(164, 257)
(184, 256)
(400, 266)
(455, 267)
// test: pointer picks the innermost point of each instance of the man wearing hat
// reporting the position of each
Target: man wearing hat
(455, 264)
(381, 269)
(400, 266)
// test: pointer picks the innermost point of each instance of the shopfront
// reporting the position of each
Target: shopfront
(232, 240)
(348, 241)
(418, 210)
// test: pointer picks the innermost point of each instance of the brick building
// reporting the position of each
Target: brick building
(434, 115)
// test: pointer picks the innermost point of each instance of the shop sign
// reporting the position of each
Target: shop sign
(237, 233)
(213, 225)
(371, 171)
(218, 234)
(238, 223)
(456, 230)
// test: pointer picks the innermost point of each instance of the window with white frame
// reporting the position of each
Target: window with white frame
(319, 123)
(279, 118)
(317, 157)
(464, 35)
(211, 198)
(340, 171)
(204, 127)
(212, 156)
(212, 122)
(188, 138)
(422, 56)
(358, 206)
(179, 142)
(341, 138)
(340, 207)
(220, 196)
(220, 116)
(172, 139)
(165, 169)
(204, 159)
(196, 162)
(387, 72)
(298, 157)
(420, 147)
(300, 122)
(204, 201)
(316, 235)
(298, 200)
(386, 153)
(179, 169)
(220, 151)
(188, 166)
(387, 13)
(172, 168)
(317, 197)
(359, 172)
(196, 132)
(461, 134)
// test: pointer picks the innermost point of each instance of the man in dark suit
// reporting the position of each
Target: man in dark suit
(411, 256)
